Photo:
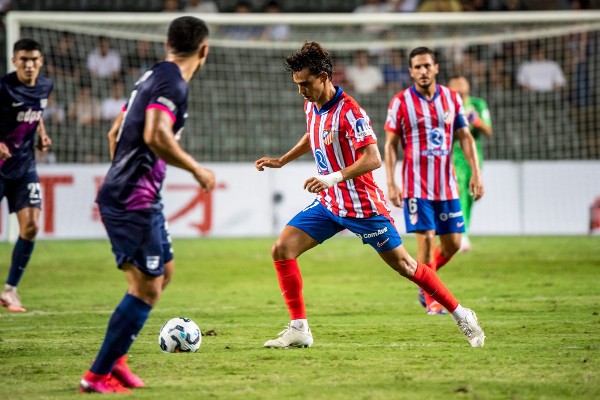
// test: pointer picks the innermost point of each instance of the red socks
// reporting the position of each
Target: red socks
(426, 278)
(290, 283)
(438, 260)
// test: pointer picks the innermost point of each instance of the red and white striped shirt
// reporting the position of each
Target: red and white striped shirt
(336, 132)
(426, 129)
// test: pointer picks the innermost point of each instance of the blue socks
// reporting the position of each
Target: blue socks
(124, 325)
(20, 257)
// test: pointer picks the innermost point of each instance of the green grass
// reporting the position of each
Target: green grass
(537, 298)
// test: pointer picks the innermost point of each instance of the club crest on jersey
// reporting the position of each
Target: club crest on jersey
(362, 128)
(328, 136)
(414, 218)
(448, 117)
(152, 262)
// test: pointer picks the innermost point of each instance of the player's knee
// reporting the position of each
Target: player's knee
(281, 250)
(29, 230)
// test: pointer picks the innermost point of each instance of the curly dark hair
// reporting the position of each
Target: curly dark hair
(312, 56)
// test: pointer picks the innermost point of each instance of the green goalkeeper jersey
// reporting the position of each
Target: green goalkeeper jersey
(479, 106)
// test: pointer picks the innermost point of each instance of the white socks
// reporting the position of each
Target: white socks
(300, 324)
(459, 313)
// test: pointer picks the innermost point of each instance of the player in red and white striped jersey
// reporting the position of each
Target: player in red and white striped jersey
(342, 140)
(423, 119)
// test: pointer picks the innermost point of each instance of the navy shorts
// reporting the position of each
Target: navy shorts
(441, 216)
(321, 224)
(21, 193)
(138, 237)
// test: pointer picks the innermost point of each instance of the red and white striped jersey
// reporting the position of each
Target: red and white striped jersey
(426, 129)
(336, 132)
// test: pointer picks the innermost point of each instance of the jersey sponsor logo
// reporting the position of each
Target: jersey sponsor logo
(446, 217)
(373, 234)
(362, 128)
(167, 103)
(152, 262)
(29, 116)
(321, 160)
(436, 137)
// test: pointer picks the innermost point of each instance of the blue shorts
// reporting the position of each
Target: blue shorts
(139, 237)
(443, 217)
(321, 224)
(21, 193)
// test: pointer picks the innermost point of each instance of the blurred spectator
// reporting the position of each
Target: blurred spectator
(513, 5)
(63, 59)
(339, 74)
(395, 72)
(54, 113)
(85, 110)
(241, 32)
(275, 32)
(440, 6)
(171, 6)
(141, 59)
(540, 74)
(45, 157)
(373, 6)
(104, 62)
(112, 105)
(498, 77)
(474, 5)
(4, 6)
(579, 53)
(470, 66)
(403, 5)
(362, 77)
(201, 7)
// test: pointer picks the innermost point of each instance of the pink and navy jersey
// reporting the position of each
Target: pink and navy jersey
(21, 109)
(336, 132)
(426, 129)
(135, 177)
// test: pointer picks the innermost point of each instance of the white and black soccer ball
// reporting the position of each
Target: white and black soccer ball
(179, 335)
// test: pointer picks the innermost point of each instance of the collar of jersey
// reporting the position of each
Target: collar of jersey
(329, 105)
(437, 92)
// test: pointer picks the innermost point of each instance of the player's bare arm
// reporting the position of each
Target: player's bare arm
(158, 135)
(301, 148)
(113, 133)
(391, 159)
(369, 160)
(4, 152)
(44, 142)
(467, 143)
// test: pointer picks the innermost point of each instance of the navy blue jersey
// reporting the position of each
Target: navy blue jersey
(136, 174)
(21, 109)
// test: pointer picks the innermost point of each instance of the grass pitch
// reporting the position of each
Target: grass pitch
(537, 298)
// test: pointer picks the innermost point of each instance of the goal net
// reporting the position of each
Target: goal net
(243, 104)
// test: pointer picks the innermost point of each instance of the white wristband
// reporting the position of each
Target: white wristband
(331, 179)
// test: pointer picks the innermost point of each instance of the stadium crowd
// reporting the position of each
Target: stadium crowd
(90, 86)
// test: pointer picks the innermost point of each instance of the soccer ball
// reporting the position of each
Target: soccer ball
(179, 335)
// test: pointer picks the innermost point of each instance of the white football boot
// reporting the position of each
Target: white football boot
(291, 337)
(11, 300)
(469, 326)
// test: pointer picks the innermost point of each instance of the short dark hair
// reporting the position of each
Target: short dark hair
(185, 35)
(420, 51)
(312, 56)
(26, 44)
